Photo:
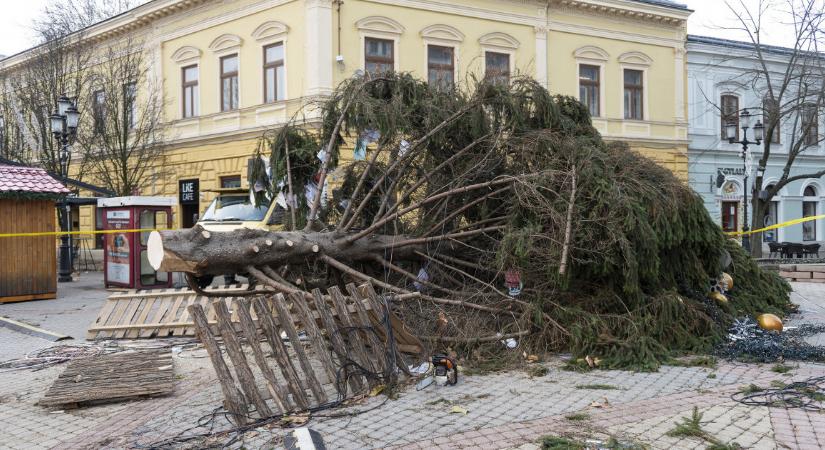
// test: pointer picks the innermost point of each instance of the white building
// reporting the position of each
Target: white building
(721, 76)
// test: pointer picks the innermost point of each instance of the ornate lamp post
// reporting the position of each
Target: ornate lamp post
(64, 128)
(747, 161)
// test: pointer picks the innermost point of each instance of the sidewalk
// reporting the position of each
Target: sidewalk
(504, 410)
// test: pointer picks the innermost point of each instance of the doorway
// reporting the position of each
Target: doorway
(189, 215)
(730, 216)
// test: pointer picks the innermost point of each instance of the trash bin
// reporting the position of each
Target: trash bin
(125, 260)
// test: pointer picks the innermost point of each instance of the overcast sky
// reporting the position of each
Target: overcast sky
(710, 18)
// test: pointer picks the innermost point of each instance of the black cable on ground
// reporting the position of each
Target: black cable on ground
(748, 343)
(808, 395)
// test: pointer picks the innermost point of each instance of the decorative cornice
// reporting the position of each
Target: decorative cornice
(623, 9)
(591, 52)
(186, 54)
(269, 30)
(497, 39)
(380, 24)
(226, 42)
(442, 32)
(637, 58)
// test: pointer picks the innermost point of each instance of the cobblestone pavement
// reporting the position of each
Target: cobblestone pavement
(504, 410)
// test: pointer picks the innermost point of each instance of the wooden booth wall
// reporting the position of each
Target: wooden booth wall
(28, 265)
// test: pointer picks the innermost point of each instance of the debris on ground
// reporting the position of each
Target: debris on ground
(353, 341)
(112, 378)
(807, 394)
(748, 342)
(59, 354)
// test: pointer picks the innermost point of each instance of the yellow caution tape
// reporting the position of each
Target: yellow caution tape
(779, 225)
(69, 233)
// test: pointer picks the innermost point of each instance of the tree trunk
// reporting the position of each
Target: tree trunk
(757, 222)
(202, 252)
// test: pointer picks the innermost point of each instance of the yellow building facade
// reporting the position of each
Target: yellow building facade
(233, 69)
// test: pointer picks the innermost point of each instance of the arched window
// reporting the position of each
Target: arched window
(729, 108)
(810, 191)
(810, 204)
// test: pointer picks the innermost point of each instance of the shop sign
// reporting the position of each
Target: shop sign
(188, 192)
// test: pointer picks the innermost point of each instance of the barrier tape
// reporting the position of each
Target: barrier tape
(143, 230)
(70, 233)
(774, 227)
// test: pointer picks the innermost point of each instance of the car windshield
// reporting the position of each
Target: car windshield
(237, 207)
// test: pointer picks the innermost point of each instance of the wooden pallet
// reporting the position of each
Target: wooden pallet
(151, 313)
(114, 377)
(291, 381)
(164, 313)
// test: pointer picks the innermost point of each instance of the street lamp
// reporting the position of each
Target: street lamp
(64, 127)
(758, 135)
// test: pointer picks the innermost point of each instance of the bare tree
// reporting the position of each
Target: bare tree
(121, 139)
(791, 82)
(57, 66)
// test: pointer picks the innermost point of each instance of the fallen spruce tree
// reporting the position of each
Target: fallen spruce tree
(489, 213)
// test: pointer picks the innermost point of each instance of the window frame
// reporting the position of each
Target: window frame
(98, 110)
(509, 55)
(811, 136)
(441, 67)
(640, 88)
(131, 111)
(391, 61)
(224, 178)
(776, 137)
(723, 116)
(274, 65)
(597, 84)
(230, 75)
(195, 86)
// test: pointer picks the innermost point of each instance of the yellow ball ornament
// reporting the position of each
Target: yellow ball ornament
(727, 280)
(769, 322)
(718, 296)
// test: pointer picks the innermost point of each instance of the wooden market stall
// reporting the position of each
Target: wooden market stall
(28, 264)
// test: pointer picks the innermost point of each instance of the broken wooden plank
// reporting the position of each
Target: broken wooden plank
(286, 322)
(236, 355)
(233, 399)
(273, 336)
(113, 377)
(278, 393)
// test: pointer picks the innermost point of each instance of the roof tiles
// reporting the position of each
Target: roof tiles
(29, 179)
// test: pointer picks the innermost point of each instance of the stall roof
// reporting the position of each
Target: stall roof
(28, 181)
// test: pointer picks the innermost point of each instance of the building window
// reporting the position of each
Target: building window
(440, 66)
(729, 114)
(589, 88)
(730, 216)
(771, 218)
(379, 56)
(190, 91)
(497, 68)
(231, 181)
(810, 124)
(770, 117)
(130, 103)
(99, 110)
(274, 73)
(229, 83)
(633, 94)
(809, 207)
